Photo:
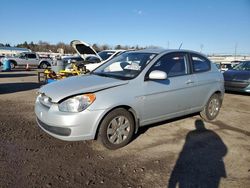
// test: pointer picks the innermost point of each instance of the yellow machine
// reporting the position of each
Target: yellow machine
(49, 75)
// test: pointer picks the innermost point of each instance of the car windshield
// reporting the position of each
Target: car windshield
(125, 66)
(76, 58)
(20, 55)
(243, 66)
(105, 54)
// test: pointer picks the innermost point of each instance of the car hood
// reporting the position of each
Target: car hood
(75, 85)
(83, 49)
(236, 75)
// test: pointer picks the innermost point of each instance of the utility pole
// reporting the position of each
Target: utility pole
(235, 50)
(180, 46)
(201, 46)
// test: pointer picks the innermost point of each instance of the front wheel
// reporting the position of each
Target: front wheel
(116, 129)
(212, 108)
(12, 65)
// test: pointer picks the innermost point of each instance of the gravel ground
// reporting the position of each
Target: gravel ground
(186, 151)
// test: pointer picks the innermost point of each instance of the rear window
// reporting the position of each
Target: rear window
(200, 64)
(31, 56)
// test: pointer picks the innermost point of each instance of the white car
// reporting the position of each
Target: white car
(29, 58)
(132, 90)
(90, 55)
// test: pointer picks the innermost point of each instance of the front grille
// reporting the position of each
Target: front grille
(56, 130)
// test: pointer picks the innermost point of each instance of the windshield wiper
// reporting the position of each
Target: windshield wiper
(100, 74)
(110, 76)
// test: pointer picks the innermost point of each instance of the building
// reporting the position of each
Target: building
(11, 51)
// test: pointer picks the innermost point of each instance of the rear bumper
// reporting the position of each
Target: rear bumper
(237, 86)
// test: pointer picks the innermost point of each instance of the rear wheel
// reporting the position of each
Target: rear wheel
(44, 65)
(212, 108)
(12, 65)
(116, 129)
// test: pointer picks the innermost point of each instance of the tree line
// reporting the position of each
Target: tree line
(43, 46)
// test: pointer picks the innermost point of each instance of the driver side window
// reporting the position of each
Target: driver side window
(174, 64)
(22, 56)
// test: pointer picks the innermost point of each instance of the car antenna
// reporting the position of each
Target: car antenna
(180, 46)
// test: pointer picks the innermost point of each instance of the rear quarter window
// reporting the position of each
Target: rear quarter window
(200, 63)
(31, 56)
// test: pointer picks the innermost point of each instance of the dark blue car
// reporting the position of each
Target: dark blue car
(238, 78)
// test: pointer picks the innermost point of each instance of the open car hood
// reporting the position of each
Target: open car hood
(83, 49)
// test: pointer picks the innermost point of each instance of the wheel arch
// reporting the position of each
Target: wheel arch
(220, 93)
(44, 61)
(13, 61)
(205, 112)
(126, 107)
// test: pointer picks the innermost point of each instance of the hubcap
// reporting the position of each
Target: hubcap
(214, 107)
(12, 66)
(118, 130)
(44, 66)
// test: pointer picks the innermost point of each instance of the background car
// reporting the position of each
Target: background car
(93, 58)
(30, 59)
(132, 90)
(227, 66)
(1, 59)
(238, 78)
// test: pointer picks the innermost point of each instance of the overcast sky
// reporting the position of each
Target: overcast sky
(215, 26)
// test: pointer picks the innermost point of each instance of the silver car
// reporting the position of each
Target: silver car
(132, 90)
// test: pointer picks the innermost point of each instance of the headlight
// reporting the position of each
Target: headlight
(77, 103)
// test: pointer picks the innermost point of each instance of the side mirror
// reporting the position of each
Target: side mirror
(158, 75)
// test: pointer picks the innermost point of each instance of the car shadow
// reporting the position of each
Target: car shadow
(238, 93)
(6, 88)
(200, 163)
(225, 126)
(142, 130)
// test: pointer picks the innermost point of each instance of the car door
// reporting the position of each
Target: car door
(201, 67)
(32, 59)
(22, 60)
(171, 97)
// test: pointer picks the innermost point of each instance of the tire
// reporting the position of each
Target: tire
(212, 108)
(116, 129)
(43, 65)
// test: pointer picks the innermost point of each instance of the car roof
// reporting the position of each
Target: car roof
(161, 50)
(112, 50)
(27, 53)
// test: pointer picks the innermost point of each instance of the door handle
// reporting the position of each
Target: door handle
(189, 82)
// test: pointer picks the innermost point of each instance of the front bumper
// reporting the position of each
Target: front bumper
(237, 86)
(68, 126)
